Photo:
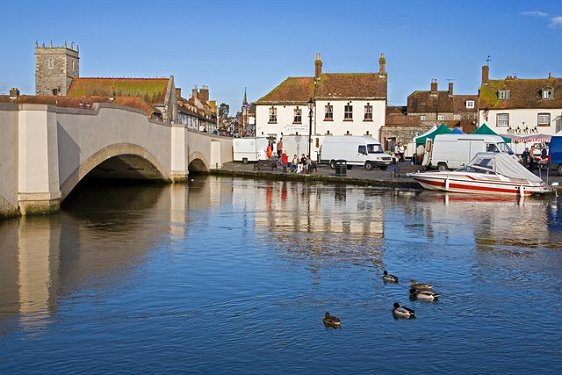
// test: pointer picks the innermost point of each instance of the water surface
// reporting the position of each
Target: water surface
(234, 276)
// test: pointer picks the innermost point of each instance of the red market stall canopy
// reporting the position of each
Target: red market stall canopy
(532, 138)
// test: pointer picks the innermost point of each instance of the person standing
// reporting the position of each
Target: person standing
(400, 150)
(280, 147)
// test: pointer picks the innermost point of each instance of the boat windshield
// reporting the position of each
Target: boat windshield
(374, 148)
(479, 165)
(505, 148)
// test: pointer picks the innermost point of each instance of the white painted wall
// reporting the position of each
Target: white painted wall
(521, 118)
(285, 117)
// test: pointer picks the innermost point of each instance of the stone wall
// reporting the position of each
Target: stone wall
(54, 69)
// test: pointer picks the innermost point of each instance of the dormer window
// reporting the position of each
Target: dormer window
(503, 94)
(547, 93)
(470, 104)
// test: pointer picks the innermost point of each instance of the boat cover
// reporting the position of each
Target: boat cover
(503, 164)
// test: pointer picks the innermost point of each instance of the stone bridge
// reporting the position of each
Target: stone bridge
(46, 150)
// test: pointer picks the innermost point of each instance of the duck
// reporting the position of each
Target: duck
(403, 312)
(423, 295)
(420, 286)
(389, 278)
(331, 321)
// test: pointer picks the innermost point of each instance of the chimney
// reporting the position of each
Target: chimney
(434, 86)
(204, 93)
(382, 64)
(485, 74)
(14, 94)
(317, 67)
(194, 92)
(178, 92)
(450, 88)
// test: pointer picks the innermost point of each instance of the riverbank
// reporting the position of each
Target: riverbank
(394, 177)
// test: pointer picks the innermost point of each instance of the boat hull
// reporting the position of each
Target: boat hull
(473, 186)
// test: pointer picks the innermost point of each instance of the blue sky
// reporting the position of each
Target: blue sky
(229, 45)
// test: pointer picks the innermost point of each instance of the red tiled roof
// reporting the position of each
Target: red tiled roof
(329, 86)
(524, 93)
(442, 102)
(152, 90)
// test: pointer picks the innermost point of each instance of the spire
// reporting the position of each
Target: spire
(245, 101)
(317, 67)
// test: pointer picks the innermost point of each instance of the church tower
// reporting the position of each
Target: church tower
(55, 67)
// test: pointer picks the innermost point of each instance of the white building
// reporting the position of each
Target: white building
(343, 103)
(521, 106)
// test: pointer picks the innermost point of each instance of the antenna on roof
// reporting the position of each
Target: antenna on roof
(488, 60)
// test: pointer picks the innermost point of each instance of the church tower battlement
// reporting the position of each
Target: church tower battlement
(55, 66)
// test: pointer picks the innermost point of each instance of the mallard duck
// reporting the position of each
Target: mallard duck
(423, 295)
(420, 286)
(403, 312)
(389, 278)
(331, 321)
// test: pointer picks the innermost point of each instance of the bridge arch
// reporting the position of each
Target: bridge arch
(198, 162)
(139, 161)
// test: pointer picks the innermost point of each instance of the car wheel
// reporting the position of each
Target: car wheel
(333, 164)
(442, 166)
(559, 169)
(368, 165)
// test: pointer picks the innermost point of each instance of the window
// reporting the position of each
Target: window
(470, 104)
(440, 117)
(297, 119)
(51, 63)
(73, 65)
(547, 93)
(348, 112)
(362, 150)
(543, 119)
(502, 119)
(422, 117)
(368, 113)
(272, 115)
(503, 94)
(329, 112)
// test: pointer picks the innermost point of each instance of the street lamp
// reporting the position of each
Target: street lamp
(310, 107)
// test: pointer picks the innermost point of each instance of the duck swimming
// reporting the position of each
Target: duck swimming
(423, 295)
(389, 278)
(331, 321)
(403, 312)
(420, 286)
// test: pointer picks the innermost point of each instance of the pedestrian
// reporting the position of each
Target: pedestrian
(269, 151)
(532, 158)
(280, 147)
(284, 161)
(400, 152)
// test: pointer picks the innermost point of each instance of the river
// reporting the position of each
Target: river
(234, 276)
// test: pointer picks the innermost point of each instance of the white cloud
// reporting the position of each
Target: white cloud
(556, 21)
(535, 13)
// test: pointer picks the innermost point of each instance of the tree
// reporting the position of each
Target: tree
(223, 110)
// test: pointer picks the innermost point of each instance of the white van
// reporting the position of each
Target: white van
(249, 149)
(355, 150)
(451, 151)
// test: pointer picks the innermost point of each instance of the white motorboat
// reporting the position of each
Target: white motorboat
(487, 173)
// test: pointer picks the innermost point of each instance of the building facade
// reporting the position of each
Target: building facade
(521, 106)
(341, 104)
